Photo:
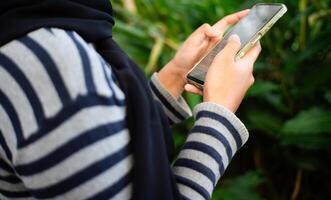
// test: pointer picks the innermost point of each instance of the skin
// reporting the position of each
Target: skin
(227, 80)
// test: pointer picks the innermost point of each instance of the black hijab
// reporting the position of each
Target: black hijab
(149, 128)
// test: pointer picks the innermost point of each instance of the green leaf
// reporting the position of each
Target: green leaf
(262, 87)
(179, 139)
(193, 99)
(264, 121)
(240, 188)
(312, 121)
(308, 142)
(328, 96)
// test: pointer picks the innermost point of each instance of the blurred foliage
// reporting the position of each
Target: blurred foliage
(288, 110)
(241, 188)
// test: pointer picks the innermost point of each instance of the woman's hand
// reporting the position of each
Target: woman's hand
(173, 75)
(227, 80)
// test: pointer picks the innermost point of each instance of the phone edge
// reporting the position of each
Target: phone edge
(262, 31)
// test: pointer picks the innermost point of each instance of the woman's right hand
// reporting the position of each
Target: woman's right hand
(228, 80)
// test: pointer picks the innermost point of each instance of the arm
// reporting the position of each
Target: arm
(217, 133)
(214, 139)
(176, 109)
(211, 144)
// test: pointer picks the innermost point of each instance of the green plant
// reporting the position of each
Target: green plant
(288, 110)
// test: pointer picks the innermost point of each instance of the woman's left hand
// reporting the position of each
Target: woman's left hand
(173, 75)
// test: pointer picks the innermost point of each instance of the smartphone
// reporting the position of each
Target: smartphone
(250, 30)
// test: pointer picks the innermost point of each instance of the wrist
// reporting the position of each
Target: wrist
(172, 77)
(226, 104)
(222, 100)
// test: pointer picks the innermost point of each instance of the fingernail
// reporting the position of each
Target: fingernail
(235, 38)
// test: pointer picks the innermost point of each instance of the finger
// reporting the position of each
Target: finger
(212, 33)
(232, 47)
(200, 33)
(192, 89)
(252, 55)
(218, 29)
(224, 23)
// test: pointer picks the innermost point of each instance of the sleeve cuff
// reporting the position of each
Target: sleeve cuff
(222, 115)
(177, 110)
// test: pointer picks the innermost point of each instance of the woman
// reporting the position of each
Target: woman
(79, 120)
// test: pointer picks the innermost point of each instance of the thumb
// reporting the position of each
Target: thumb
(232, 47)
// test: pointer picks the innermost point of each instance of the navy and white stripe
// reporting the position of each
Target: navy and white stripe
(212, 143)
(177, 110)
(63, 133)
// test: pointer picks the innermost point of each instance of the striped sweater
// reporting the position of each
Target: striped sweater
(63, 133)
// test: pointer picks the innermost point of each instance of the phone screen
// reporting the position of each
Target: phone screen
(257, 18)
(246, 29)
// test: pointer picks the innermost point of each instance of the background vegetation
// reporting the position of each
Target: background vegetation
(288, 110)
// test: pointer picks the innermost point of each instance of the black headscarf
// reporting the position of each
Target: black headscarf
(149, 128)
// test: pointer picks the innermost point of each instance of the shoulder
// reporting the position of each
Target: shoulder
(47, 70)
(58, 58)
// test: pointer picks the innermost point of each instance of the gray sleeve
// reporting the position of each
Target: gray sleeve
(216, 136)
(176, 110)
